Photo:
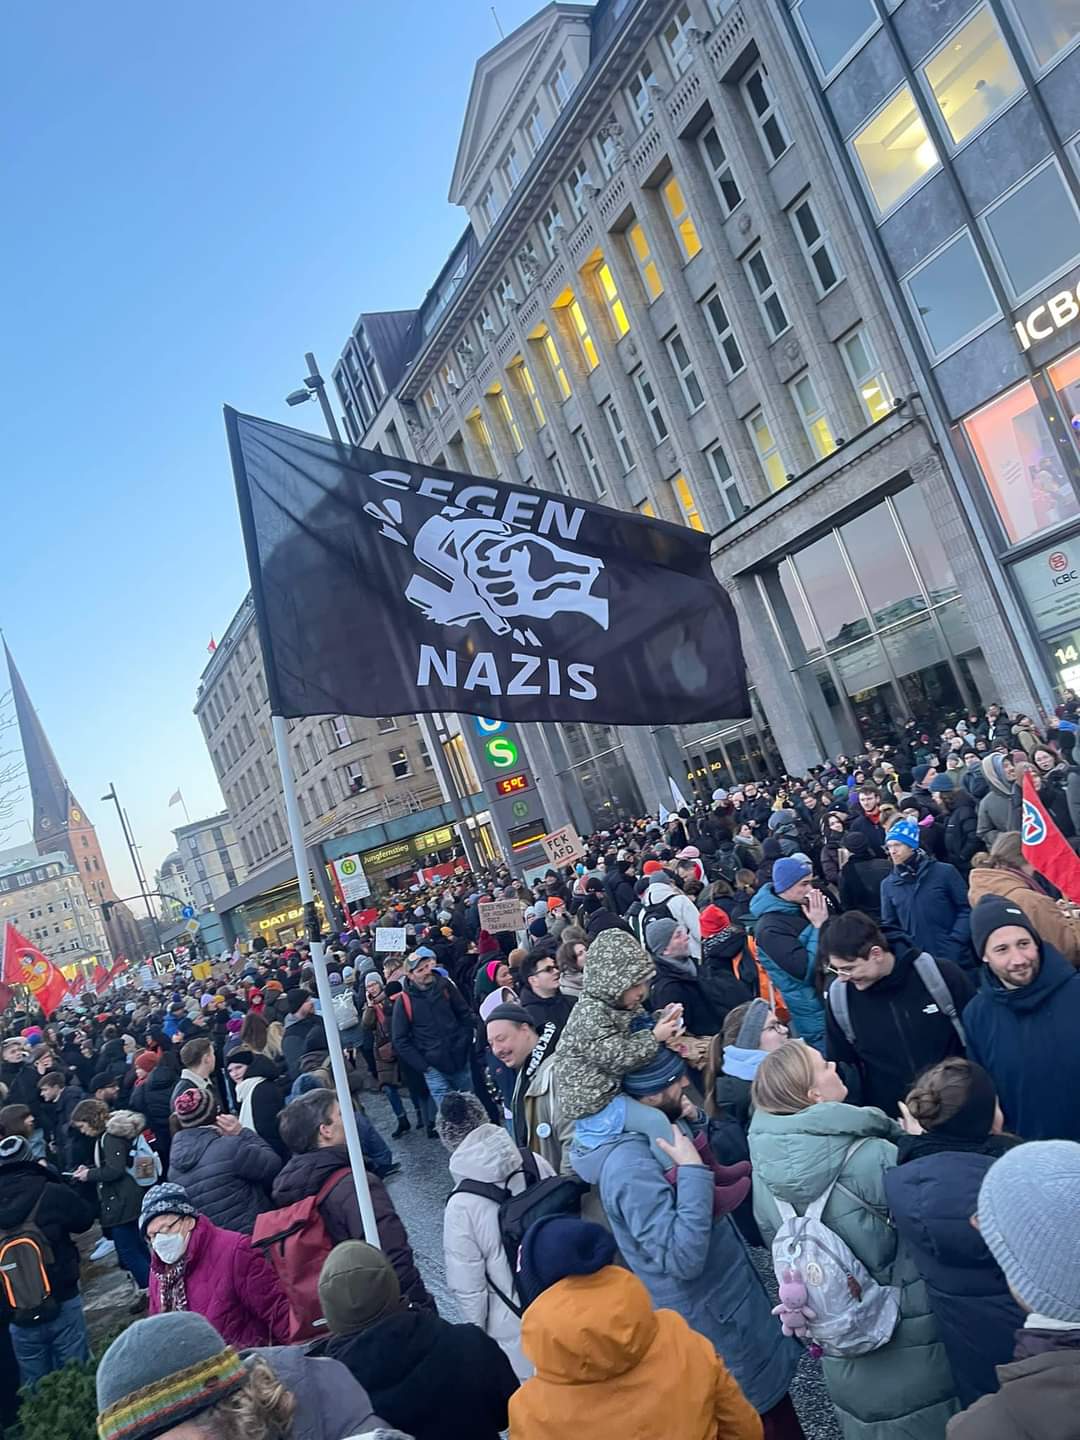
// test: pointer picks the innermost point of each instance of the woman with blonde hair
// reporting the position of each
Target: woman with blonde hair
(806, 1142)
(1005, 872)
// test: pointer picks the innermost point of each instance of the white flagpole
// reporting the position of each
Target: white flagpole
(322, 984)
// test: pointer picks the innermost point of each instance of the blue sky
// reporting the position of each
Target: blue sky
(194, 195)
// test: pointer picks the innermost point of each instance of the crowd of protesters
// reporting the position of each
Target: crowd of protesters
(833, 1017)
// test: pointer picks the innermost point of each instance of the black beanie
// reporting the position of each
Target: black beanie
(990, 914)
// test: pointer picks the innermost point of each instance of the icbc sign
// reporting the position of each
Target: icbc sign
(511, 784)
(1059, 564)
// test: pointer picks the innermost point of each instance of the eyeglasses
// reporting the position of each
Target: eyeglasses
(546, 970)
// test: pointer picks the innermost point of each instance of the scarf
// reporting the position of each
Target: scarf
(936, 1142)
(244, 1091)
(685, 966)
(741, 1064)
(173, 1289)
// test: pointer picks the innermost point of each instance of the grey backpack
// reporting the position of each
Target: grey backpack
(852, 1313)
(926, 967)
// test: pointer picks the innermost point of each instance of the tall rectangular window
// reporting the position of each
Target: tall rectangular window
(814, 243)
(639, 95)
(399, 762)
(342, 734)
(764, 288)
(576, 182)
(768, 452)
(723, 335)
(529, 387)
(510, 170)
(592, 468)
(972, 75)
(867, 376)
(765, 113)
(555, 365)
(1021, 464)
(687, 504)
(950, 296)
(557, 470)
(533, 129)
(1034, 231)
(720, 171)
(893, 151)
(506, 414)
(432, 403)
(489, 206)
(581, 330)
(606, 281)
(559, 85)
(681, 220)
(1048, 26)
(650, 275)
(551, 221)
(618, 434)
(684, 371)
(606, 152)
(812, 413)
(675, 38)
(651, 405)
(485, 328)
(504, 296)
(726, 484)
(480, 435)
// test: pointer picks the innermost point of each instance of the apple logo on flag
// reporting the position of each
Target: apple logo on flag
(687, 666)
(1033, 826)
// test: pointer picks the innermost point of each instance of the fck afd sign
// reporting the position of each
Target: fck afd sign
(386, 587)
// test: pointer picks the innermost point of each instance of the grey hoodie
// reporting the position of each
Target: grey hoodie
(330, 1403)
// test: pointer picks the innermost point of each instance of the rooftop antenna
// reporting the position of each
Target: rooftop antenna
(498, 23)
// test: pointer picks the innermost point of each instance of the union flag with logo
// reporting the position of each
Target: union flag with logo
(24, 964)
(1045, 847)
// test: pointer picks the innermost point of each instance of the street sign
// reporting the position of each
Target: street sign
(192, 927)
(187, 912)
(496, 915)
(352, 879)
(390, 938)
(563, 847)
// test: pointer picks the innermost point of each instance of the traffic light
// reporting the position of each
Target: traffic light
(107, 909)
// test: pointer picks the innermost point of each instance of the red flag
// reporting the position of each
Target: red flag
(1045, 847)
(100, 977)
(24, 964)
(212, 646)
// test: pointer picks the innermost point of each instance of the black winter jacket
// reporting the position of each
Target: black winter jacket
(306, 1174)
(961, 832)
(727, 972)
(294, 1042)
(860, 884)
(933, 1191)
(672, 986)
(439, 1033)
(539, 1011)
(120, 1197)
(62, 1213)
(227, 1177)
(431, 1379)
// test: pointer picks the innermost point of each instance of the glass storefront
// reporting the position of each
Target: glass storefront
(733, 755)
(875, 628)
(598, 766)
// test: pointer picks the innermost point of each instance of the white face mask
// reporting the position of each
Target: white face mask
(169, 1248)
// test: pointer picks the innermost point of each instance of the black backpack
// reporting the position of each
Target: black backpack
(557, 1195)
(26, 1296)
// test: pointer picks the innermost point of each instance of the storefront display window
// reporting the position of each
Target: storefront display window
(1021, 464)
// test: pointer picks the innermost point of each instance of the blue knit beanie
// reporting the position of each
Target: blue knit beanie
(789, 870)
(1027, 1216)
(557, 1246)
(906, 832)
(656, 1074)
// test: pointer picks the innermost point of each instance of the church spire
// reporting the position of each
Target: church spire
(54, 804)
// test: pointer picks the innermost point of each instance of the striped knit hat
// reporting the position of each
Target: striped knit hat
(194, 1106)
(161, 1372)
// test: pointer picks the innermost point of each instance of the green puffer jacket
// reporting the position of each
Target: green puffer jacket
(904, 1391)
(597, 1046)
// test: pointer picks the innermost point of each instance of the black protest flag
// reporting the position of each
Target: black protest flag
(384, 587)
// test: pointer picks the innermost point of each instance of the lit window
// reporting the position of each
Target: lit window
(650, 275)
(506, 414)
(399, 762)
(534, 129)
(581, 330)
(681, 222)
(576, 182)
(1022, 465)
(815, 246)
(550, 222)
(559, 85)
(726, 484)
(893, 151)
(620, 324)
(687, 503)
(622, 443)
(1034, 230)
(639, 95)
(764, 288)
(675, 38)
(950, 295)
(972, 75)
(558, 374)
(1048, 26)
(587, 454)
(645, 507)
(529, 387)
(649, 403)
(720, 171)
(510, 170)
(684, 370)
(757, 90)
(869, 380)
(723, 335)
(812, 414)
(833, 30)
(768, 452)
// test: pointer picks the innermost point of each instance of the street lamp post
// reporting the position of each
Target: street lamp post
(136, 864)
(314, 387)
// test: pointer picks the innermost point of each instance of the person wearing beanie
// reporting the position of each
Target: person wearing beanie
(953, 1136)
(1026, 1216)
(225, 1169)
(536, 1107)
(376, 1020)
(788, 914)
(492, 974)
(678, 979)
(961, 821)
(435, 1380)
(664, 899)
(174, 1375)
(1023, 1022)
(603, 1354)
(42, 1345)
(750, 1031)
(1006, 872)
(432, 1029)
(670, 1198)
(195, 1265)
(924, 897)
(863, 871)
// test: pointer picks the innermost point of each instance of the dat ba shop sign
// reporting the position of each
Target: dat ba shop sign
(1053, 314)
(1050, 583)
